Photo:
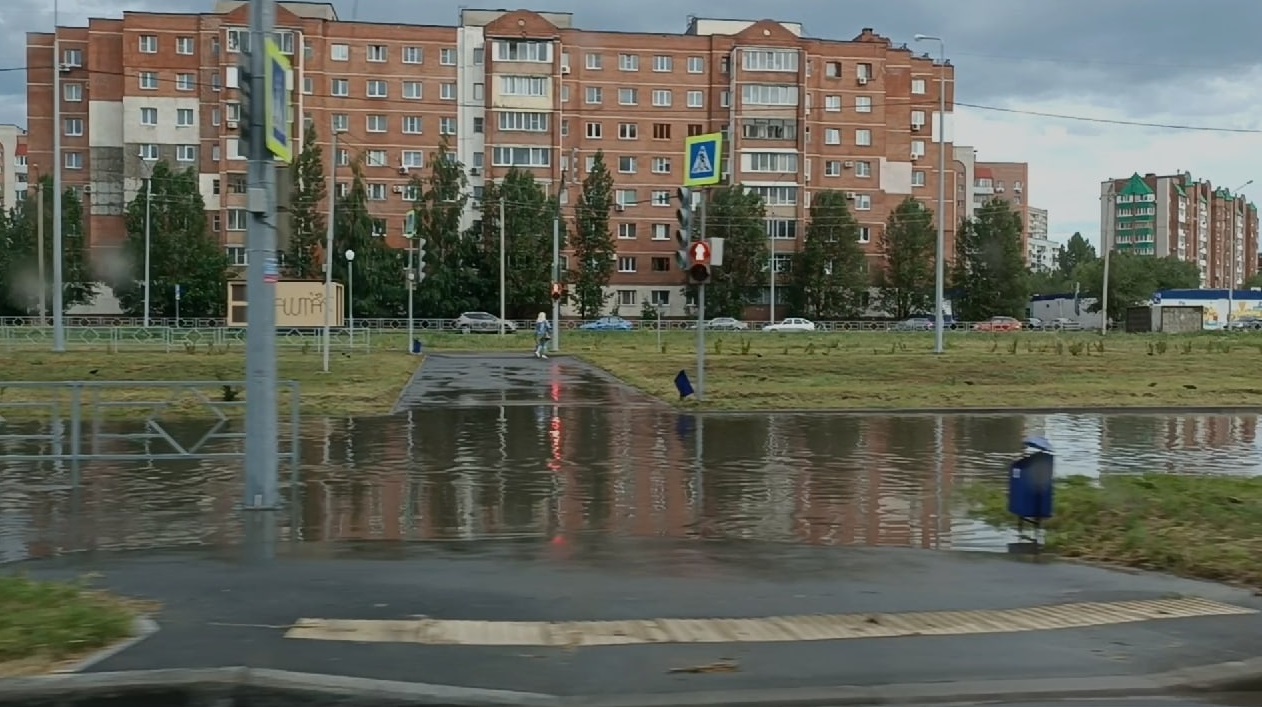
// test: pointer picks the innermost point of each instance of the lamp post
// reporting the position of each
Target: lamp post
(350, 294)
(939, 284)
(328, 250)
(59, 164)
(1231, 272)
(148, 163)
(1106, 242)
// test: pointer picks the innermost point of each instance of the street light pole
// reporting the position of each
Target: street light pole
(556, 253)
(350, 294)
(1106, 242)
(39, 239)
(59, 324)
(939, 285)
(328, 251)
(503, 271)
(148, 235)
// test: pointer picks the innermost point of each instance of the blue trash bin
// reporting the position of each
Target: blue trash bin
(683, 385)
(416, 346)
(1031, 487)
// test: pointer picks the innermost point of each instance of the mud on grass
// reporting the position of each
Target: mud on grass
(884, 371)
(44, 624)
(366, 383)
(1205, 527)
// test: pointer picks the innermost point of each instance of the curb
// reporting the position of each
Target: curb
(1236, 676)
(142, 628)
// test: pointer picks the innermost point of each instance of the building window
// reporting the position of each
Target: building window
(412, 124)
(918, 87)
(863, 202)
(184, 45)
(628, 96)
(413, 55)
(592, 62)
(479, 91)
(148, 44)
(376, 192)
(782, 229)
(832, 104)
(778, 162)
(447, 56)
(413, 159)
(186, 153)
(73, 92)
(377, 89)
(413, 90)
(308, 85)
(521, 157)
(377, 123)
(696, 99)
(863, 137)
(446, 126)
(149, 116)
(621, 197)
(662, 98)
(626, 298)
(628, 62)
(184, 117)
(917, 148)
(72, 58)
(863, 169)
(626, 264)
(660, 198)
(238, 40)
(148, 80)
(663, 63)
(696, 65)
(661, 165)
(832, 136)
(784, 60)
(661, 232)
(661, 131)
(339, 52)
(74, 127)
(74, 160)
(533, 86)
(628, 131)
(766, 94)
(863, 104)
(378, 53)
(594, 95)
(340, 87)
(523, 122)
(524, 50)
(185, 82)
(626, 231)
(341, 121)
(832, 168)
(918, 178)
(375, 158)
(865, 234)
(626, 165)
(238, 220)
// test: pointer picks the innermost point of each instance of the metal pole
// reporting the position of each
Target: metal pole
(350, 300)
(411, 282)
(939, 278)
(39, 241)
(261, 444)
(328, 253)
(700, 392)
(1106, 243)
(59, 324)
(148, 243)
(503, 271)
(772, 312)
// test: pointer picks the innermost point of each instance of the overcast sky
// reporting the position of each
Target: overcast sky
(1150, 61)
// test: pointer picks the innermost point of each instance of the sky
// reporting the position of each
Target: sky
(1025, 68)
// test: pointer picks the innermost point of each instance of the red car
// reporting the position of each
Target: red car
(998, 324)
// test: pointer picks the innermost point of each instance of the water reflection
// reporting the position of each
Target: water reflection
(550, 471)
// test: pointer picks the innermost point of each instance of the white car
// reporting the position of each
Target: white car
(791, 324)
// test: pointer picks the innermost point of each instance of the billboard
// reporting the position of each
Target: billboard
(299, 304)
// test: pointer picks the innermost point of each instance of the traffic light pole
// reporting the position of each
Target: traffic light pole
(700, 392)
(261, 448)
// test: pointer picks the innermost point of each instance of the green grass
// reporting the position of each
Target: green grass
(886, 371)
(42, 623)
(1206, 527)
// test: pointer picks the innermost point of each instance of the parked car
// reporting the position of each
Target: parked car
(791, 324)
(607, 324)
(1034, 324)
(998, 324)
(723, 324)
(1245, 323)
(1066, 324)
(481, 323)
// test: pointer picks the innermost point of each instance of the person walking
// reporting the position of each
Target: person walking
(543, 334)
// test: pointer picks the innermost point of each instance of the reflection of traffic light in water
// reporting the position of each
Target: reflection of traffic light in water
(554, 428)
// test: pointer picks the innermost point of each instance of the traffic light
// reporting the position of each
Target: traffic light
(245, 87)
(699, 273)
(420, 260)
(558, 292)
(683, 236)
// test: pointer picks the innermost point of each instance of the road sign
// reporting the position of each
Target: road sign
(276, 113)
(699, 253)
(703, 153)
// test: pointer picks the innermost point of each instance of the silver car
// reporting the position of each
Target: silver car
(481, 323)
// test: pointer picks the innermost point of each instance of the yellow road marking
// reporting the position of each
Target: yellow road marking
(757, 630)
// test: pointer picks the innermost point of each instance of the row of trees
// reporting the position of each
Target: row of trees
(829, 277)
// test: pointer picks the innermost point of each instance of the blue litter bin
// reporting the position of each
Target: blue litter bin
(683, 385)
(416, 346)
(1031, 490)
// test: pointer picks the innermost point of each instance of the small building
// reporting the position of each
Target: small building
(1070, 305)
(1243, 304)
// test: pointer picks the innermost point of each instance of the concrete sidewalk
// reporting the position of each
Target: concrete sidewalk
(222, 612)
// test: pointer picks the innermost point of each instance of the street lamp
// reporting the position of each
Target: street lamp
(148, 163)
(1231, 282)
(350, 294)
(940, 271)
(328, 248)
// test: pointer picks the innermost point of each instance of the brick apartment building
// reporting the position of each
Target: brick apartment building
(1176, 215)
(506, 89)
(13, 166)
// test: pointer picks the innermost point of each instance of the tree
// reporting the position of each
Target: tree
(1134, 279)
(379, 271)
(528, 212)
(909, 246)
(307, 225)
(1075, 253)
(830, 274)
(182, 252)
(19, 264)
(594, 246)
(990, 270)
(737, 216)
(453, 281)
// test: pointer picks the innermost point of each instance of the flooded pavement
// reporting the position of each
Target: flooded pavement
(512, 447)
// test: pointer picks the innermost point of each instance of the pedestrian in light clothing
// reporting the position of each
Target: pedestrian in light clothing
(543, 334)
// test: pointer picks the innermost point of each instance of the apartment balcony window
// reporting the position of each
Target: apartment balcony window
(521, 157)
(781, 60)
(759, 94)
(531, 86)
(778, 162)
(523, 121)
(524, 51)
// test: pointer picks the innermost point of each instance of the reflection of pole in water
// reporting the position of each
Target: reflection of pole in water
(699, 470)
(941, 518)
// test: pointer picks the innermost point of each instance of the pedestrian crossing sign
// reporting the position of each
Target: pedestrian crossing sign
(704, 154)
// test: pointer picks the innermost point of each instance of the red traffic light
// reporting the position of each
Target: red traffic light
(699, 272)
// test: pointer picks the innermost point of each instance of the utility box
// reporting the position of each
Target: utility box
(1031, 488)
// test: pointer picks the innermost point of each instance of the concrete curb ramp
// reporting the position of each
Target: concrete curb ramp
(1224, 677)
(775, 629)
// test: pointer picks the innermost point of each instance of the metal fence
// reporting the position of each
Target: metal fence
(119, 421)
(172, 339)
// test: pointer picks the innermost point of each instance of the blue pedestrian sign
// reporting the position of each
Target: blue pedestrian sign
(704, 154)
(276, 114)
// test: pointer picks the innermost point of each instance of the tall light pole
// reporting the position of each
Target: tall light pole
(503, 270)
(148, 234)
(328, 248)
(939, 283)
(39, 245)
(350, 294)
(1106, 242)
(556, 252)
(59, 324)
(1231, 276)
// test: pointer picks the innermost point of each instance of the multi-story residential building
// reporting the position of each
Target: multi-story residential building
(1190, 219)
(1008, 181)
(13, 166)
(1040, 251)
(507, 89)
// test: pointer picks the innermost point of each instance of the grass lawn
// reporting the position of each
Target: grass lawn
(1195, 526)
(757, 371)
(43, 624)
(365, 383)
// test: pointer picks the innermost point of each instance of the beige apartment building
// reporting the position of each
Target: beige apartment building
(506, 89)
(14, 170)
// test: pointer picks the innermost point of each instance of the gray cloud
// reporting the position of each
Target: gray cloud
(1119, 53)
